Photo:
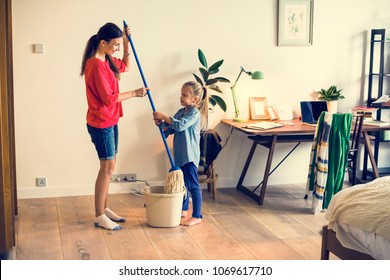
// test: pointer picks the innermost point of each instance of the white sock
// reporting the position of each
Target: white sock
(104, 222)
(111, 214)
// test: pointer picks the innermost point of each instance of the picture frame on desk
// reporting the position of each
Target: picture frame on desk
(295, 22)
(271, 113)
(285, 113)
(257, 106)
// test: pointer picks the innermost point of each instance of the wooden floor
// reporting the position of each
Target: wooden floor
(234, 227)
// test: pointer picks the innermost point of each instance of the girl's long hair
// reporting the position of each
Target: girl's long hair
(203, 102)
(107, 32)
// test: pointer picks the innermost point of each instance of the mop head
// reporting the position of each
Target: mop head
(174, 183)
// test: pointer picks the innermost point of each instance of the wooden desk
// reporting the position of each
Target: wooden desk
(296, 133)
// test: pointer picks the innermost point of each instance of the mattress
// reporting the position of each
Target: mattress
(360, 216)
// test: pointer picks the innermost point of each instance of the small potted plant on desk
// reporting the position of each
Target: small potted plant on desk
(331, 96)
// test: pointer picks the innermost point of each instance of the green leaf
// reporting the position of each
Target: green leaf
(211, 82)
(222, 79)
(215, 67)
(221, 103)
(216, 88)
(212, 101)
(202, 58)
(199, 80)
(214, 71)
(204, 73)
(215, 80)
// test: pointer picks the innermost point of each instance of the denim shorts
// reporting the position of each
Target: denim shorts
(105, 140)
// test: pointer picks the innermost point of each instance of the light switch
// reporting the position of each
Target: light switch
(38, 48)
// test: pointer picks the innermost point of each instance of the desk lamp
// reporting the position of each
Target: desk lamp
(257, 75)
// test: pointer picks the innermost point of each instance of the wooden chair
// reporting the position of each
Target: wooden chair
(210, 146)
(209, 177)
(330, 152)
(353, 152)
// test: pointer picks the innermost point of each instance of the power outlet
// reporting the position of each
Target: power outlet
(40, 182)
(122, 178)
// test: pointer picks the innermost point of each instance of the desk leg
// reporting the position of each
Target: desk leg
(267, 169)
(367, 144)
(252, 194)
(246, 166)
(240, 187)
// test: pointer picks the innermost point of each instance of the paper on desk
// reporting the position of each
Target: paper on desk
(264, 125)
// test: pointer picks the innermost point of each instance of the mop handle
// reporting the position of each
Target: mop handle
(149, 95)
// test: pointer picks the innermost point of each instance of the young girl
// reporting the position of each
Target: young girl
(185, 125)
(101, 72)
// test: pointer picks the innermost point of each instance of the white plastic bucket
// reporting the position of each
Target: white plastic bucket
(162, 210)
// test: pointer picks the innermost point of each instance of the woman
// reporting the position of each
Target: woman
(101, 72)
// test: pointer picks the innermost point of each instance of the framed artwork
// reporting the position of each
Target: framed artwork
(257, 106)
(295, 22)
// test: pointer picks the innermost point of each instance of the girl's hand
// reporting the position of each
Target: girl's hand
(158, 116)
(162, 118)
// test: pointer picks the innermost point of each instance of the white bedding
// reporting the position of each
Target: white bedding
(358, 227)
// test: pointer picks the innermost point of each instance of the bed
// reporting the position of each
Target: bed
(359, 222)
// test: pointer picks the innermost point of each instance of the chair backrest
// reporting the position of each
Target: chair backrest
(358, 119)
(356, 133)
(210, 146)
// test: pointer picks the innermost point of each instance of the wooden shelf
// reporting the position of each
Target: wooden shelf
(377, 82)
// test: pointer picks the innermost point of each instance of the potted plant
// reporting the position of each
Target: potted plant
(331, 96)
(211, 82)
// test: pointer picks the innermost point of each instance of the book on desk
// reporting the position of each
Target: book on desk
(264, 125)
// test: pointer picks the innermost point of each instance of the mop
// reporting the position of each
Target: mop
(174, 182)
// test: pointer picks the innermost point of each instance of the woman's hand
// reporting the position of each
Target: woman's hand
(126, 32)
(126, 48)
(140, 92)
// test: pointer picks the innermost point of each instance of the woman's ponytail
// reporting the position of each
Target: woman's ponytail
(90, 50)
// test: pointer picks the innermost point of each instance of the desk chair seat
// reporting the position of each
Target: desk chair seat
(210, 146)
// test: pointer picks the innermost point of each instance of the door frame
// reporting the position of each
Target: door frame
(8, 196)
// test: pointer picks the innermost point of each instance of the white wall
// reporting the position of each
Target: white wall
(50, 104)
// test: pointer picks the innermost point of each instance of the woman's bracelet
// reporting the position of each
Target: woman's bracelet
(126, 53)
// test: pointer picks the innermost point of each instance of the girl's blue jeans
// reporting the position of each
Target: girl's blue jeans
(190, 173)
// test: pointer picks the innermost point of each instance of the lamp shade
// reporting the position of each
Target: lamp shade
(257, 75)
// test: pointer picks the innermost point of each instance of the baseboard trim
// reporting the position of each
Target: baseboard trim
(62, 191)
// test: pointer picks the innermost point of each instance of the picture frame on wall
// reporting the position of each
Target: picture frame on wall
(257, 106)
(295, 22)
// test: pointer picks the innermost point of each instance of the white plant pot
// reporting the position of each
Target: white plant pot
(332, 106)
